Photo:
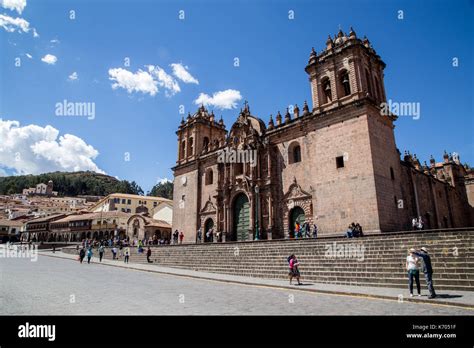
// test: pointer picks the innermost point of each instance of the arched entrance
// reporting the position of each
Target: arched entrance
(296, 215)
(207, 226)
(241, 220)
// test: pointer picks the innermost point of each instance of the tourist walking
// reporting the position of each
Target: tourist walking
(114, 253)
(148, 255)
(199, 235)
(315, 231)
(427, 270)
(294, 271)
(101, 253)
(89, 254)
(82, 254)
(181, 237)
(414, 223)
(175, 237)
(306, 230)
(127, 254)
(412, 267)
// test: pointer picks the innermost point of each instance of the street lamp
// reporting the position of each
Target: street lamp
(257, 234)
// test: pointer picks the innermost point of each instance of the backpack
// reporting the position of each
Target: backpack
(289, 258)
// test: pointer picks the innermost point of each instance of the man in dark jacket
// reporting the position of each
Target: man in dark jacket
(427, 270)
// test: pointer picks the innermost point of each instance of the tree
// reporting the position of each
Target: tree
(162, 189)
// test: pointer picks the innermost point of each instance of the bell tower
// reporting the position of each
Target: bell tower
(346, 70)
(199, 134)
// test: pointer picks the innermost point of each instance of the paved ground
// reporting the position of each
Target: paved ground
(54, 285)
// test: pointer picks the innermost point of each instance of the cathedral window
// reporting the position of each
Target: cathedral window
(345, 83)
(294, 153)
(327, 96)
(392, 174)
(369, 83)
(205, 143)
(340, 162)
(183, 149)
(191, 146)
(209, 177)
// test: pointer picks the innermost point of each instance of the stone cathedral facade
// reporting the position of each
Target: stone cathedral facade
(331, 165)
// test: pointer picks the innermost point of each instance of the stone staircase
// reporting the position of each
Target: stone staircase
(377, 260)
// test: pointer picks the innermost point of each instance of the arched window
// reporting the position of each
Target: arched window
(392, 174)
(191, 146)
(294, 153)
(369, 84)
(327, 96)
(183, 149)
(209, 177)
(205, 143)
(345, 82)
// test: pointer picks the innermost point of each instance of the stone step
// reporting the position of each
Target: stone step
(383, 263)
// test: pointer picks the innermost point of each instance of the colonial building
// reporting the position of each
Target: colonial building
(158, 208)
(331, 165)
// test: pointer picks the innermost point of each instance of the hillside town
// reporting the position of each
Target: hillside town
(38, 214)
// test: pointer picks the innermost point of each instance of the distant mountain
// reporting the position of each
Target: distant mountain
(71, 184)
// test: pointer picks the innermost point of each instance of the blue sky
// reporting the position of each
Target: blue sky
(272, 52)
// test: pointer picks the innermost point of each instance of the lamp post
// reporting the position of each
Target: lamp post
(257, 236)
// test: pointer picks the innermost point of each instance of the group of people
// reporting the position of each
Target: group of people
(122, 248)
(208, 236)
(304, 230)
(354, 230)
(413, 266)
(417, 223)
(178, 236)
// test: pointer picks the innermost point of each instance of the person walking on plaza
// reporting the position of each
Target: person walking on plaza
(427, 270)
(199, 235)
(297, 229)
(412, 267)
(114, 253)
(294, 271)
(82, 254)
(127, 254)
(148, 255)
(89, 254)
(181, 236)
(414, 223)
(101, 253)
(315, 231)
(306, 230)
(175, 237)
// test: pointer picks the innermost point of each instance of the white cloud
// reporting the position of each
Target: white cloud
(29, 55)
(147, 82)
(18, 24)
(182, 73)
(164, 80)
(49, 59)
(163, 181)
(54, 41)
(33, 149)
(73, 76)
(141, 81)
(222, 100)
(17, 5)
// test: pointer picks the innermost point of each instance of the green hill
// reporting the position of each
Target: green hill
(70, 183)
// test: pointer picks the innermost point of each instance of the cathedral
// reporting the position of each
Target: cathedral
(329, 165)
